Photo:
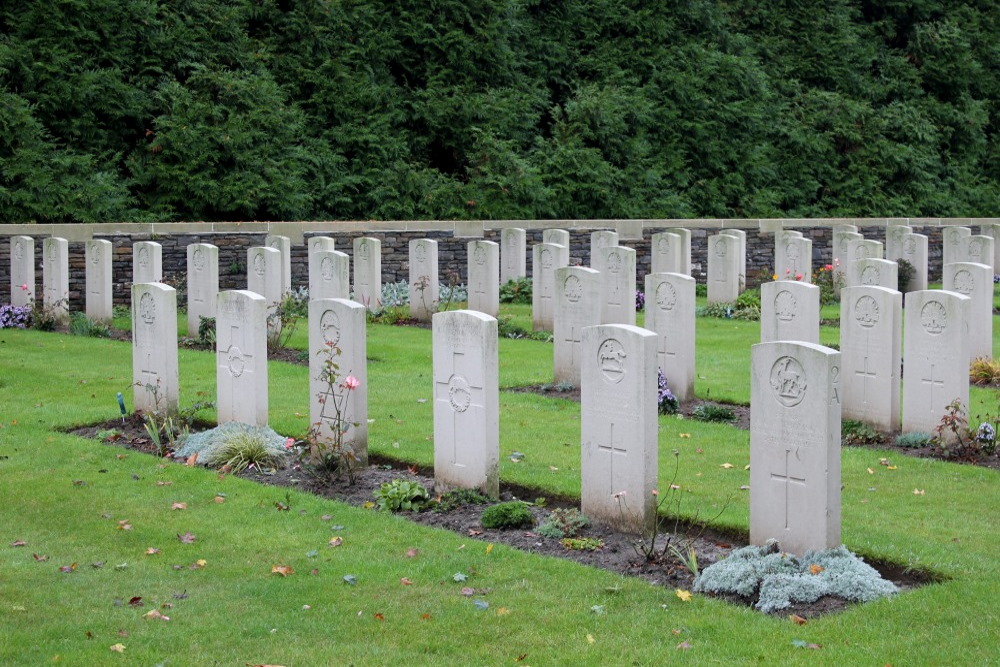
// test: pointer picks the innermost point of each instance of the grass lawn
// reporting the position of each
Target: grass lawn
(65, 496)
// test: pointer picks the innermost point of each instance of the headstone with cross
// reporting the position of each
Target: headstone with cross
(795, 261)
(978, 249)
(559, 237)
(466, 402)
(665, 248)
(951, 243)
(913, 248)
(22, 271)
(154, 348)
(147, 262)
(264, 278)
(670, 314)
(993, 231)
(976, 282)
(513, 262)
(873, 272)
(283, 245)
(202, 284)
(742, 253)
(338, 376)
(424, 285)
(842, 235)
(368, 272)
(578, 293)
(55, 277)
(329, 274)
(871, 320)
(795, 414)
(545, 259)
(894, 240)
(618, 285)
(320, 243)
(600, 240)
(483, 259)
(241, 357)
(618, 417)
(98, 276)
(935, 357)
(789, 310)
(723, 268)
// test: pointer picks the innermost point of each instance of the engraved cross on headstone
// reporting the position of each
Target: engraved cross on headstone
(612, 449)
(573, 341)
(932, 382)
(460, 393)
(865, 375)
(787, 479)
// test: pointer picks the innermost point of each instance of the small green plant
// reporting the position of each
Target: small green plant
(955, 439)
(109, 435)
(46, 317)
(582, 543)
(241, 450)
(563, 523)
(514, 514)
(830, 279)
(81, 325)
(401, 495)
(516, 291)
(457, 498)
(688, 558)
(707, 412)
(167, 431)
(915, 439)
(701, 289)
(507, 328)
(984, 371)
(853, 432)
(284, 319)
(206, 331)
(905, 273)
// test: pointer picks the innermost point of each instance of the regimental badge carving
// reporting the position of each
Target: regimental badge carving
(792, 251)
(276, 244)
(573, 289)
(326, 268)
(480, 255)
(866, 311)
(955, 236)
(909, 245)
(611, 360)
(459, 394)
(237, 363)
(420, 252)
(614, 262)
(933, 317)
(329, 326)
(720, 248)
(144, 256)
(95, 253)
(198, 258)
(788, 380)
(666, 296)
(19, 250)
(511, 240)
(963, 282)
(259, 264)
(546, 258)
(663, 245)
(975, 250)
(870, 275)
(52, 251)
(364, 254)
(784, 306)
(861, 252)
(147, 308)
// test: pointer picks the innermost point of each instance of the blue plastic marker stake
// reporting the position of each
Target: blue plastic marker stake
(121, 406)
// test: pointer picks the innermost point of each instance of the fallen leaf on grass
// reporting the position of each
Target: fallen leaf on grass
(870, 471)
(473, 532)
(163, 482)
(336, 541)
(379, 617)
(815, 569)
(18, 543)
(40, 557)
(152, 551)
(676, 632)
(219, 499)
(118, 648)
(489, 548)
(155, 615)
(684, 435)
(918, 492)
(798, 643)
(412, 552)
(459, 577)
(502, 611)
(597, 609)
(590, 638)
(796, 619)
(684, 596)
(350, 579)
(186, 538)
(283, 570)
(683, 646)
(179, 506)
(191, 460)
(135, 601)
(425, 617)
(406, 581)
(521, 657)
(68, 568)
(727, 466)
(124, 524)
(80, 482)
(481, 605)
(468, 592)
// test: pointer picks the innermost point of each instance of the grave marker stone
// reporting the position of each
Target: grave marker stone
(993, 231)
(894, 236)
(795, 259)
(22, 271)
(863, 249)
(871, 319)
(55, 277)
(978, 249)
(618, 417)
(795, 417)
(935, 356)
(618, 285)
(264, 278)
(147, 262)
(545, 259)
(913, 248)
(284, 246)
(577, 306)
(155, 381)
(483, 259)
(558, 237)
(874, 272)
(320, 243)
(202, 284)
(337, 338)
(513, 248)
(742, 263)
(951, 244)
(368, 272)
(241, 357)
(98, 278)
(841, 253)
(666, 250)
(976, 282)
(723, 269)
(670, 314)
(424, 286)
(329, 274)
(466, 402)
(600, 240)
(789, 311)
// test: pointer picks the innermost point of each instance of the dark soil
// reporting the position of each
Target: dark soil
(618, 553)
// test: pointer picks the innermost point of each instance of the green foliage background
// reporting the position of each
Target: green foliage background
(353, 109)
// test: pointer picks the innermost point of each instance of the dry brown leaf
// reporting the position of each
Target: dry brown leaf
(118, 648)
(796, 619)
(379, 617)
(18, 543)
(179, 506)
(336, 541)
(406, 581)
(412, 552)
(152, 551)
(191, 460)
(155, 615)
(815, 569)
(186, 538)
(163, 482)
(283, 570)
(683, 646)
(219, 499)
(726, 465)
(124, 524)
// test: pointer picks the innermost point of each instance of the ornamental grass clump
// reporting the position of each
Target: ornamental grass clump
(514, 514)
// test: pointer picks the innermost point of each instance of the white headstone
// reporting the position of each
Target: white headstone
(935, 357)
(789, 311)
(264, 278)
(483, 259)
(55, 276)
(241, 354)
(873, 272)
(666, 248)
(723, 269)
(202, 284)
(337, 357)
(913, 248)
(795, 417)
(951, 246)
(545, 259)
(320, 243)
(22, 271)
(284, 246)
(513, 255)
(559, 237)
(329, 274)
(368, 272)
(466, 402)
(794, 262)
(871, 322)
(600, 240)
(742, 236)
(841, 253)
(976, 282)
(978, 249)
(424, 285)
(98, 276)
(147, 262)
(685, 235)
(578, 299)
(618, 417)
(993, 231)
(863, 249)
(894, 236)
(155, 380)
(618, 285)
(670, 314)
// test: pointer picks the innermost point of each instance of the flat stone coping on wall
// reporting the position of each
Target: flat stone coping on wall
(628, 230)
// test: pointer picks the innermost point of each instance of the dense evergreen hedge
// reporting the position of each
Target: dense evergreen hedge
(347, 109)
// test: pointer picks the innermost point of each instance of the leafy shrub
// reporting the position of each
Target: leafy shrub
(955, 439)
(701, 289)
(81, 325)
(516, 291)
(984, 371)
(915, 439)
(707, 412)
(46, 317)
(563, 523)
(448, 294)
(15, 317)
(206, 331)
(507, 328)
(401, 495)
(829, 280)
(457, 498)
(395, 294)
(514, 514)
(583, 543)
(749, 299)
(853, 432)
(905, 273)
(666, 402)
(748, 312)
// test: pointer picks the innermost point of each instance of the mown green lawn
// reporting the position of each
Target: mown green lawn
(65, 496)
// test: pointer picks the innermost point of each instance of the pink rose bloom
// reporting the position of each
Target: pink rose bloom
(352, 382)
(289, 443)
(798, 276)
(24, 287)
(828, 267)
(787, 271)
